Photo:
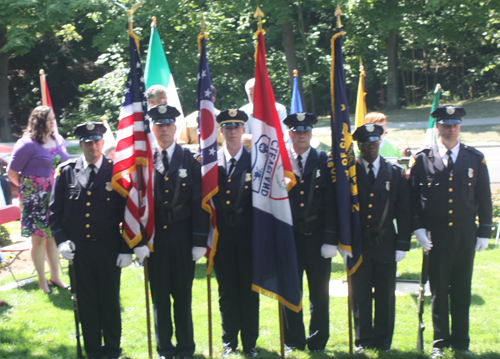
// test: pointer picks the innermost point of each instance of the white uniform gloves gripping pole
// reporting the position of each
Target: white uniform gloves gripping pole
(481, 243)
(141, 253)
(67, 250)
(198, 252)
(422, 238)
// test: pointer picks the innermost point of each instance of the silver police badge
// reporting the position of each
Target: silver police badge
(162, 109)
(471, 172)
(388, 186)
(450, 110)
(318, 173)
(90, 126)
(183, 173)
(370, 127)
(248, 177)
(108, 187)
(301, 116)
(232, 112)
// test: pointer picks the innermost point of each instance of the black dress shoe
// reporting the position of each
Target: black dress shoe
(227, 352)
(251, 353)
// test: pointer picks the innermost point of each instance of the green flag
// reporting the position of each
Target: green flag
(430, 133)
(158, 72)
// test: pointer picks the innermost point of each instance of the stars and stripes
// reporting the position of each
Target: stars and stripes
(133, 152)
(208, 148)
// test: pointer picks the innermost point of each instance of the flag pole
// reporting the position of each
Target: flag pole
(209, 284)
(130, 14)
(338, 14)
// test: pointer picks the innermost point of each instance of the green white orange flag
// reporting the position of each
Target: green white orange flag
(430, 133)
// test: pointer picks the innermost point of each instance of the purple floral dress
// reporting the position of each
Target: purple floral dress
(34, 195)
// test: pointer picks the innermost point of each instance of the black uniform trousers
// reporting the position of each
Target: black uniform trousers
(171, 273)
(450, 274)
(98, 291)
(238, 303)
(380, 275)
(317, 271)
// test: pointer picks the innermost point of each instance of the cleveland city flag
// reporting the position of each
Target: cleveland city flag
(157, 72)
(296, 104)
(134, 151)
(343, 168)
(275, 271)
(431, 133)
(208, 149)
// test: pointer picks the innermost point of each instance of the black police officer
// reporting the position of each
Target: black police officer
(238, 303)
(384, 196)
(315, 221)
(450, 187)
(181, 232)
(85, 217)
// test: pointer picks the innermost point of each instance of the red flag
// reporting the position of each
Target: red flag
(46, 101)
(133, 149)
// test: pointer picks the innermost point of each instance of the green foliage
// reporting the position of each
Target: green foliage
(496, 212)
(4, 236)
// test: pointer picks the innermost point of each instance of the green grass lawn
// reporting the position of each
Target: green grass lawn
(36, 325)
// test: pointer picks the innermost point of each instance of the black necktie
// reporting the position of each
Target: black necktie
(165, 160)
(233, 165)
(371, 174)
(450, 161)
(299, 159)
(91, 176)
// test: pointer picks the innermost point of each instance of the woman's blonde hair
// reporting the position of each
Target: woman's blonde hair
(375, 117)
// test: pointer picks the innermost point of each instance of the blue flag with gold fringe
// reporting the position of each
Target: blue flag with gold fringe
(343, 167)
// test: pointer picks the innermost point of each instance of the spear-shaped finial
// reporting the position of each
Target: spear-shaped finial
(338, 14)
(202, 24)
(260, 15)
(295, 73)
(130, 14)
(153, 21)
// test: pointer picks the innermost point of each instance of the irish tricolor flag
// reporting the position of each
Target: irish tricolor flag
(430, 133)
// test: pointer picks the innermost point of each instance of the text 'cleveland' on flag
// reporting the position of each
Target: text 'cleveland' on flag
(343, 168)
(275, 271)
(133, 151)
(208, 148)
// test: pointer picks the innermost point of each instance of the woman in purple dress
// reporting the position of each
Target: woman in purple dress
(32, 166)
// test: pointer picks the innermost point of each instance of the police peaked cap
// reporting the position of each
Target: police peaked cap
(448, 115)
(232, 117)
(90, 131)
(369, 132)
(300, 121)
(163, 114)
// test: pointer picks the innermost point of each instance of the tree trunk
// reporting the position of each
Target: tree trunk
(5, 128)
(392, 71)
(290, 52)
(306, 58)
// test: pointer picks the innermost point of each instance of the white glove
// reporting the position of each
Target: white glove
(141, 253)
(124, 260)
(328, 251)
(67, 250)
(400, 255)
(345, 254)
(482, 243)
(198, 252)
(425, 242)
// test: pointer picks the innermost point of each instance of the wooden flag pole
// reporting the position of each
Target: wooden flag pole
(349, 309)
(209, 300)
(282, 329)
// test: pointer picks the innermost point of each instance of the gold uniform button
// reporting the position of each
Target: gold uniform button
(166, 191)
(88, 235)
(108, 199)
(372, 194)
(429, 184)
(87, 226)
(302, 204)
(87, 215)
(301, 192)
(165, 227)
(228, 191)
(370, 205)
(369, 216)
(246, 187)
(450, 211)
(166, 178)
(317, 186)
(450, 201)
(450, 189)
(451, 178)
(70, 197)
(450, 224)
(89, 193)
(228, 202)
(183, 185)
(301, 181)
(229, 180)
(470, 184)
(88, 204)
(166, 202)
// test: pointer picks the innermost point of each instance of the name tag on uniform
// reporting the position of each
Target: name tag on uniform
(183, 173)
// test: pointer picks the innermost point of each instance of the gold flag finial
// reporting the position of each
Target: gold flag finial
(202, 24)
(153, 21)
(202, 34)
(260, 15)
(41, 73)
(130, 13)
(103, 119)
(338, 14)
(295, 73)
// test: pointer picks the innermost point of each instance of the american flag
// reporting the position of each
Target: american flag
(208, 148)
(134, 140)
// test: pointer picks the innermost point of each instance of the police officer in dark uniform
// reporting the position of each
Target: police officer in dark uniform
(384, 196)
(181, 232)
(85, 217)
(239, 304)
(314, 222)
(450, 187)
